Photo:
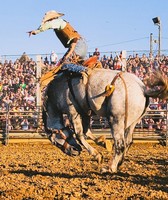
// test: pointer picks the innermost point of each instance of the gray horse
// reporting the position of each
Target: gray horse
(121, 97)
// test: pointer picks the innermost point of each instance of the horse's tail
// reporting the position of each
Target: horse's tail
(157, 86)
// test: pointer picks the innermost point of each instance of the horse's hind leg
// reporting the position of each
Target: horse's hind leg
(129, 136)
(117, 129)
(122, 142)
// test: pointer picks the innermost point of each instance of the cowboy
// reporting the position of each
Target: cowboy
(69, 37)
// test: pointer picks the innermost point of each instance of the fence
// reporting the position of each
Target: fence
(154, 125)
(90, 53)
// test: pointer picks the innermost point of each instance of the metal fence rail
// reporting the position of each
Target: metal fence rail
(28, 124)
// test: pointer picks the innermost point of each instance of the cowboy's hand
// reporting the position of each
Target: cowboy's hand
(31, 33)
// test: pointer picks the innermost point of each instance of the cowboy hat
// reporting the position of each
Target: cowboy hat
(52, 14)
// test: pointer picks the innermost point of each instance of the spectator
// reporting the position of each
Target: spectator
(46, 62)
(117, 63)
(24, 58)
(7, 100)
(1, 86)
(137, 59)
(29, 97)
(150, 123)
(96, 53)
(53, 58)
(3, 107)
(25, 124)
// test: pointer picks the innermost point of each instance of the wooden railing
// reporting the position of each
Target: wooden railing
(11, 125)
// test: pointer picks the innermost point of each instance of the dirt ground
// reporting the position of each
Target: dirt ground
(37, 171)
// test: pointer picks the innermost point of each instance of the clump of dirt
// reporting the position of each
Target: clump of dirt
(38, 171)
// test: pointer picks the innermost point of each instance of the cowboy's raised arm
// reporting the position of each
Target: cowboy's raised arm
(41, 28)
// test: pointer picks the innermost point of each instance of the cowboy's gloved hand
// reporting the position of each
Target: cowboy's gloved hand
(31, 33)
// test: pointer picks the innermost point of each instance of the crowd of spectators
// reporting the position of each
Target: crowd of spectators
(18, 91)
(18, 86)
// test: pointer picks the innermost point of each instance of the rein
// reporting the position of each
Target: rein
(74, 97)
(126, 101)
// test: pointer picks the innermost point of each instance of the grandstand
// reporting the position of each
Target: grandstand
(20, 109)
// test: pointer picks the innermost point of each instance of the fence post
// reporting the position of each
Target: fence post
(124, 62)
(6, 139)
(38, 76)
(167, 124)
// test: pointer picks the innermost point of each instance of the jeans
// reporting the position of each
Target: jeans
(81, 48)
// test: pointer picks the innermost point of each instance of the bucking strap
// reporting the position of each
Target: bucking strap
(109, 90)
(111, 87)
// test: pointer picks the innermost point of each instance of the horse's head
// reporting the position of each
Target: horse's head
(64, 139)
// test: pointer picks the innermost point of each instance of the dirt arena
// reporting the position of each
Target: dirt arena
(37, 171)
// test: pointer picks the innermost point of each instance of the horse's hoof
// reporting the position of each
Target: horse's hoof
(108, 145)
(107, 170)
(99, 158)
(101, 141)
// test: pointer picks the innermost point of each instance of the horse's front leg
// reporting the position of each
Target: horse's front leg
(77, 123)
(101, 140)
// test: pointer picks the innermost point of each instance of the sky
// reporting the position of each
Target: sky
(109, 25)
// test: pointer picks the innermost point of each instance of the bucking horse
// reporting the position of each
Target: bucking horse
(121, 97)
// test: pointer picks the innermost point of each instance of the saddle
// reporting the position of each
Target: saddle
(90, 63)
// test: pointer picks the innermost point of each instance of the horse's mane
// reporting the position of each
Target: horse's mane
(157, 85)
